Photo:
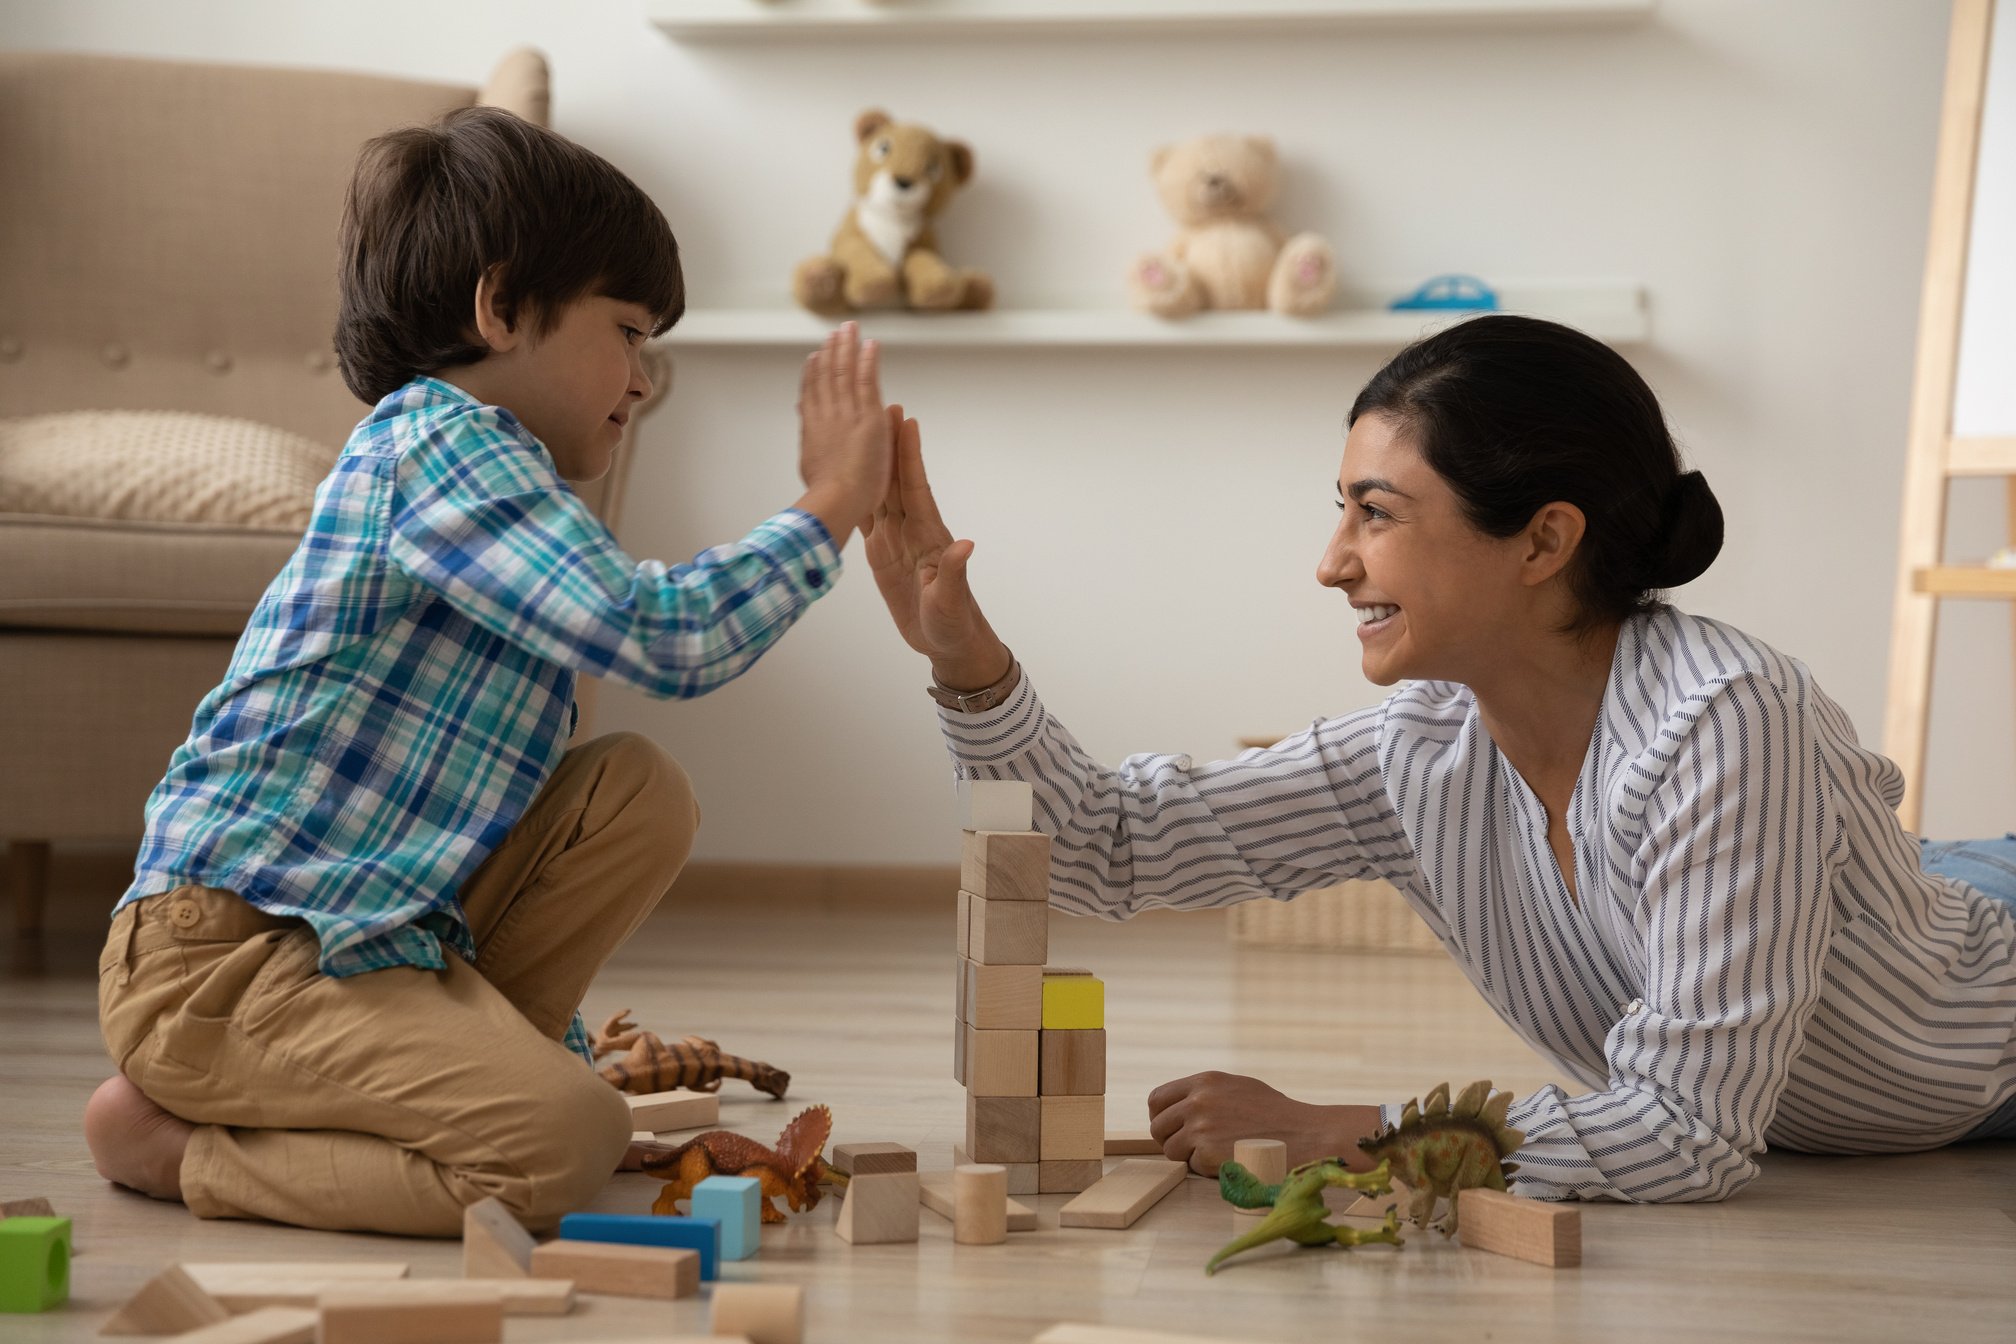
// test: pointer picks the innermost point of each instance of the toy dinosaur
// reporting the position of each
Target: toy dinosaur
(649, 1065)
(793, 1171)
(1299, 1212)
(1440, 1149)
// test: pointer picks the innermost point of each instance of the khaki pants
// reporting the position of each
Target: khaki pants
(388, 1101)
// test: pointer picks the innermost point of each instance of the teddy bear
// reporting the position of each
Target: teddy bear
(1227, 255)
(884, 254)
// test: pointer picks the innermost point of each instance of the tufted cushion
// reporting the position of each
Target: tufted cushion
(157, 522)
(159, 467)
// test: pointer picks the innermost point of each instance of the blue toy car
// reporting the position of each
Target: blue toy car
(1462, 293)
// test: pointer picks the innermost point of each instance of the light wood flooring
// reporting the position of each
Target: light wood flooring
(854, 998)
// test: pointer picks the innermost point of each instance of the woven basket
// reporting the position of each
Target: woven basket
(1352, 917)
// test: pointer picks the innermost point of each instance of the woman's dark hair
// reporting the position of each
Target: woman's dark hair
(432, 208)
(1516, 413)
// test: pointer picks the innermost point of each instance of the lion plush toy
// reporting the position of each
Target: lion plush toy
(885, 255)
(1227, 255)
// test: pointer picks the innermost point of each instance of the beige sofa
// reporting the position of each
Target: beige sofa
(167, 243)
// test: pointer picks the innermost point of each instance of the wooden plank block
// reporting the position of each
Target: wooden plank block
(689, 1233)
(168, 1304)
(1074, 1129)
(31, 1206)
(873, 1159)
(768, 1313)
(210, 1274)
(936, 1190)
(521, 1297)
(996, 805)
(1525, 1229)
(1068, 1177)
(618, 1269)
(1073, 1002)
(1071, 1064)
(1131, 1143)
(879, 1209)
(1129, 1191)
(1001, 998)
(1267, 1159)
(677, 1109)
(356, 1316)
(1000, 1063)
(1021, 1175)
(1008, 933)
(1004, 1129)
(1006, 865)
(268, 1325)
(495, 1245)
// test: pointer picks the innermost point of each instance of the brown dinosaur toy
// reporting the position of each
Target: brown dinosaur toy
(649, 1065)
(793, 1171)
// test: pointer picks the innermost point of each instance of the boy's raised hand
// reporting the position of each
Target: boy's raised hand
(844, 442)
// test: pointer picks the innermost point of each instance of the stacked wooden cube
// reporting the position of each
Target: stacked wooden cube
(1029, 1045)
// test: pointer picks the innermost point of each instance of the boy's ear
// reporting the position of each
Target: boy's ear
(497, 324)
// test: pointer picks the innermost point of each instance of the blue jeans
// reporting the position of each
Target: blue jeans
(1989, 866)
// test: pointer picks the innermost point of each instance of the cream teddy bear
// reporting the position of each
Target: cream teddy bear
(1227, 255)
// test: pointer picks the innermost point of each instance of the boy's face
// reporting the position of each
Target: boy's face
(575, 386)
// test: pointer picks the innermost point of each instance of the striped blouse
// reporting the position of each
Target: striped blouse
(1756, 956)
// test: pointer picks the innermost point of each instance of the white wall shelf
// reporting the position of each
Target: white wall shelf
(1614, 313)
(760, 20)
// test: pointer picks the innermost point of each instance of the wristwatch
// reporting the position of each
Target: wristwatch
(975, 702)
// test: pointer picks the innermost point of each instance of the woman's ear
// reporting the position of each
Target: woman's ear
(497, 323)
(1552, 538)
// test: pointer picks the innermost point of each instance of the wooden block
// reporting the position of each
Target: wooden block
(1071, 1064)
(1021, 1175)
(736, 1202)
(1267, 1159)
(873, 1159)
(1008, 933)
(959, 1051)
(689, 1233)
(936, 1191)
(879, 1209)
(1118, 1200)
(996, 805)
(1068, 1177)
(167, 1304)
(618, 1269)
(268, 1325)
(678, 1109)
(1004, 1129)
(1006, 865)
(980, 1204)
(520, 1297)
(32, 1206)
(212, 1274)
(767, 1313)
(1525, 1229)
(1000, 1063)
(1001, 998)
(1074, 1129)
(965, 935)
(495, 1245)
(1073, 1003)
(1131, 1143)
(34, 1263)
(357, 1316)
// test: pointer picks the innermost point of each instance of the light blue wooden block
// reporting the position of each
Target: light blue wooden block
(738, 1202)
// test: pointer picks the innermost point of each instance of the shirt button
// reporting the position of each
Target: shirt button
(184, 914)
(815, 577)
(1636, 1005)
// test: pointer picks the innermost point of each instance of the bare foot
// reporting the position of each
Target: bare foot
(134, 1142)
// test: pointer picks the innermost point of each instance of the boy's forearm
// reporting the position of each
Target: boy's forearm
(835, 510)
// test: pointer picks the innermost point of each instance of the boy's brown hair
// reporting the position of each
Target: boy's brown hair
(432, 208)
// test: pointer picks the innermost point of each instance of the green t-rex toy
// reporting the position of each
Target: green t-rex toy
(1299, 1212)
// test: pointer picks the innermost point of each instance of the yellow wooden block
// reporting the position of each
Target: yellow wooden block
(1073, 1003)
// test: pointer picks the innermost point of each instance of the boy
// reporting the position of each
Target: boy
(342, 988)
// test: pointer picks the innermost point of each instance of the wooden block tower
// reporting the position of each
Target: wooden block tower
(1029, 1044)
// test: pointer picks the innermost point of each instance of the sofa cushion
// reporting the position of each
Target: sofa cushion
(160, 467)
(164, 523)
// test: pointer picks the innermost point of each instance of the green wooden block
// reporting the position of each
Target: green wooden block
(34, 1264)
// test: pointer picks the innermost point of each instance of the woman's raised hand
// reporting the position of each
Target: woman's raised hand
(921, 572)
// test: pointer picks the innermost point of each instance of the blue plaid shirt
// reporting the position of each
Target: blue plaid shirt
(405, 685)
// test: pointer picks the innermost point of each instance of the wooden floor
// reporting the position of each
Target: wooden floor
(855, 1001)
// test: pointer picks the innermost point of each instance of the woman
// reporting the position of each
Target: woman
(1650, 840)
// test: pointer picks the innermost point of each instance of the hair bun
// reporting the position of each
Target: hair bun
(1690, 533)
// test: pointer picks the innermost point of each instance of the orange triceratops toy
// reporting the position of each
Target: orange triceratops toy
(792, 1171)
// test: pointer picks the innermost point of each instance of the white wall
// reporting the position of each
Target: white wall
(1149, 522)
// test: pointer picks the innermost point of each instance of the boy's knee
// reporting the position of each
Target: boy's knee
(657, 783)
(581, 1133)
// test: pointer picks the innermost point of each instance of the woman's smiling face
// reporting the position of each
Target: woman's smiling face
(1434, 596)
